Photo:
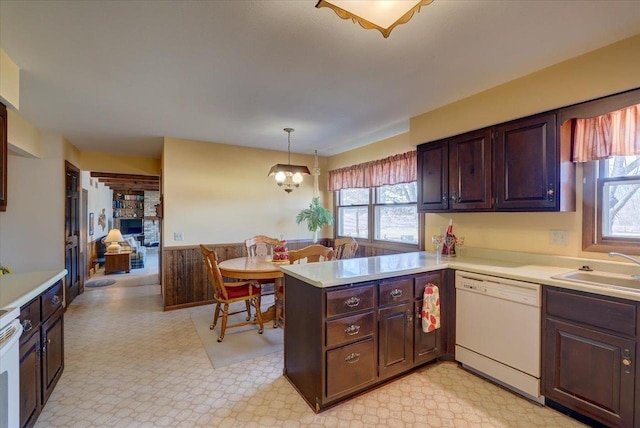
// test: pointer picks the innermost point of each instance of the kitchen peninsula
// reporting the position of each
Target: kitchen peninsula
(354, 324)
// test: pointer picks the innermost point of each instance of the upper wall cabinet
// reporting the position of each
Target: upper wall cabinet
(3, 157)
(514, 166)
(525, 163)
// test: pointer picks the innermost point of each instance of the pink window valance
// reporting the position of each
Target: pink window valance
(395, 169)
(612, 134)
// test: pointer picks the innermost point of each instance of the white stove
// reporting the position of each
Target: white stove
(7, 315)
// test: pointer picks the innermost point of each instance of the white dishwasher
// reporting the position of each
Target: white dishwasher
(498, 330)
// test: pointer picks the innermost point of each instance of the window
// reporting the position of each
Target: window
(611, 205)
(385, 213)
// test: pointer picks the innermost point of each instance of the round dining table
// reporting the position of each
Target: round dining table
(258, 267)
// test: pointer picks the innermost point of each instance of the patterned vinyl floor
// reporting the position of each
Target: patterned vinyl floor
(129, 364)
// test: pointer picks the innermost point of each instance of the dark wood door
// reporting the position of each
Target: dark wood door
(470, 170)
(433, 176)
(52, 353)
(590, 372)
(395, 339)
(3, 157)
(72, 232)
(526, 162)
(30, 386)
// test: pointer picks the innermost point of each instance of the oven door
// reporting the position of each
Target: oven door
(10, 375)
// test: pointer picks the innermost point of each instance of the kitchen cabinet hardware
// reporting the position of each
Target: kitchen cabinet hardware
(352, 302)
(352, 330)
(352, 358)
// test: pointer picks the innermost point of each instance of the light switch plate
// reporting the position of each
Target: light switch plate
(178, 236)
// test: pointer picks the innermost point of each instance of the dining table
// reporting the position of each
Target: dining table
(259, 268)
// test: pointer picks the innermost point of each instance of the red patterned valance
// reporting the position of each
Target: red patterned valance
(392, 170)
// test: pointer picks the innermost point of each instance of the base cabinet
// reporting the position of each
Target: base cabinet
(41, 352)
(589, 355)
(344, 340)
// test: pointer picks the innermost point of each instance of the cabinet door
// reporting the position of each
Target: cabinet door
(30, 399)
(590, 372)
(433, 176)
(52, 353)
(470, 170)
(395, 339)
(526, 164)
(428, 346)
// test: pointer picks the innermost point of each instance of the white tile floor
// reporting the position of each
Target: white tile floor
(129, 364)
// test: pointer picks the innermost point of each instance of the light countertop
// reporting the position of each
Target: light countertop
(16, 289)
(518, 266)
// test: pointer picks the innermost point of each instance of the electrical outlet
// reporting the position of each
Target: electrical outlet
(559, 237)
(178, 236)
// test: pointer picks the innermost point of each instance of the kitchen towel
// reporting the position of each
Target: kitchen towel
(430, 308)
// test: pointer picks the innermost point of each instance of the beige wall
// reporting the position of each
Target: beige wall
(23, 138)
(105, 162)
(9, 80)
(606, 71)
(379, 150)
(216, 193)
(32, 228)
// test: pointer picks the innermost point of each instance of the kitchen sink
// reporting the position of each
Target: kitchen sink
(604, 279)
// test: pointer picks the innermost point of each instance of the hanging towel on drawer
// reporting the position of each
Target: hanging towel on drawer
(431, 308)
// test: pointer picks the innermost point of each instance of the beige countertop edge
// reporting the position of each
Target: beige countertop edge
(516, 270)
(17, 289)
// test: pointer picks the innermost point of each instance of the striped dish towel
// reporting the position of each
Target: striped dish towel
(431, 308)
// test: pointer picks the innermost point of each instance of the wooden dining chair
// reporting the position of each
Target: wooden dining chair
(226, 293)
(311, 254)
(345, 248)
(261, 245)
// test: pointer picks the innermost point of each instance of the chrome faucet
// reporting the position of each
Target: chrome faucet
(633, 259)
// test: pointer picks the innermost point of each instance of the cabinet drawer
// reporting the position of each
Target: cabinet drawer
(429, 278)
(30, 318)
(396, 290)
(348, 329)
(350, 300)
(599, 312)
(350, 367)
(51, 300)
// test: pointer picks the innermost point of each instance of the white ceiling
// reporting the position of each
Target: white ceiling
(117, 76)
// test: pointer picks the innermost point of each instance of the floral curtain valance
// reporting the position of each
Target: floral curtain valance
(396, 169)
(612, 134)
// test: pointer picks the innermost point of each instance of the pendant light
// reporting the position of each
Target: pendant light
(288, 176)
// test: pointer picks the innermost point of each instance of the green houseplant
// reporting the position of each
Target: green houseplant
(316, 216)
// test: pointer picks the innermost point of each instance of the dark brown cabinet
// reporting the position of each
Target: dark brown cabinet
(395, 326)
(343, 340)
(429, 345)
(589, 355)
(526, 163)
(41, 351)
(521, 165)
(3, 157)
(470, 171)
(433, 176)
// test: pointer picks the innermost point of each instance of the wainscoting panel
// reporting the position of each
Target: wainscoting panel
(185, 281)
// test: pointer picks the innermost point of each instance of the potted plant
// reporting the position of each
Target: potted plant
(316, 216)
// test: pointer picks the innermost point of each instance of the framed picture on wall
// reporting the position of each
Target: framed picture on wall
(90, 224)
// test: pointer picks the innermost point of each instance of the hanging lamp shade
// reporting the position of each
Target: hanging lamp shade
(287, 175)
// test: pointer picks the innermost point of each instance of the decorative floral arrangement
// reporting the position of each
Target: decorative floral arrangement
(4, 269)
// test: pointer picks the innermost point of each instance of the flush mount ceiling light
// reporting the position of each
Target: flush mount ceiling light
(289, 176)
(381, 15)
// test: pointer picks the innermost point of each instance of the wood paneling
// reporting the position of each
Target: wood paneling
(184, 275)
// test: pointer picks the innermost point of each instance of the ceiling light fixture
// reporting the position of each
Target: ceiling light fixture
(381, 15)
(289, 176)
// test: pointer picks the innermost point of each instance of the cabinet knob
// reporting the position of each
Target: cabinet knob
(550, 192)
(55, 300)
(27, 325)
(352, 330)
(352, 358)
(626, 362)
(395, 293)
(352, 302)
